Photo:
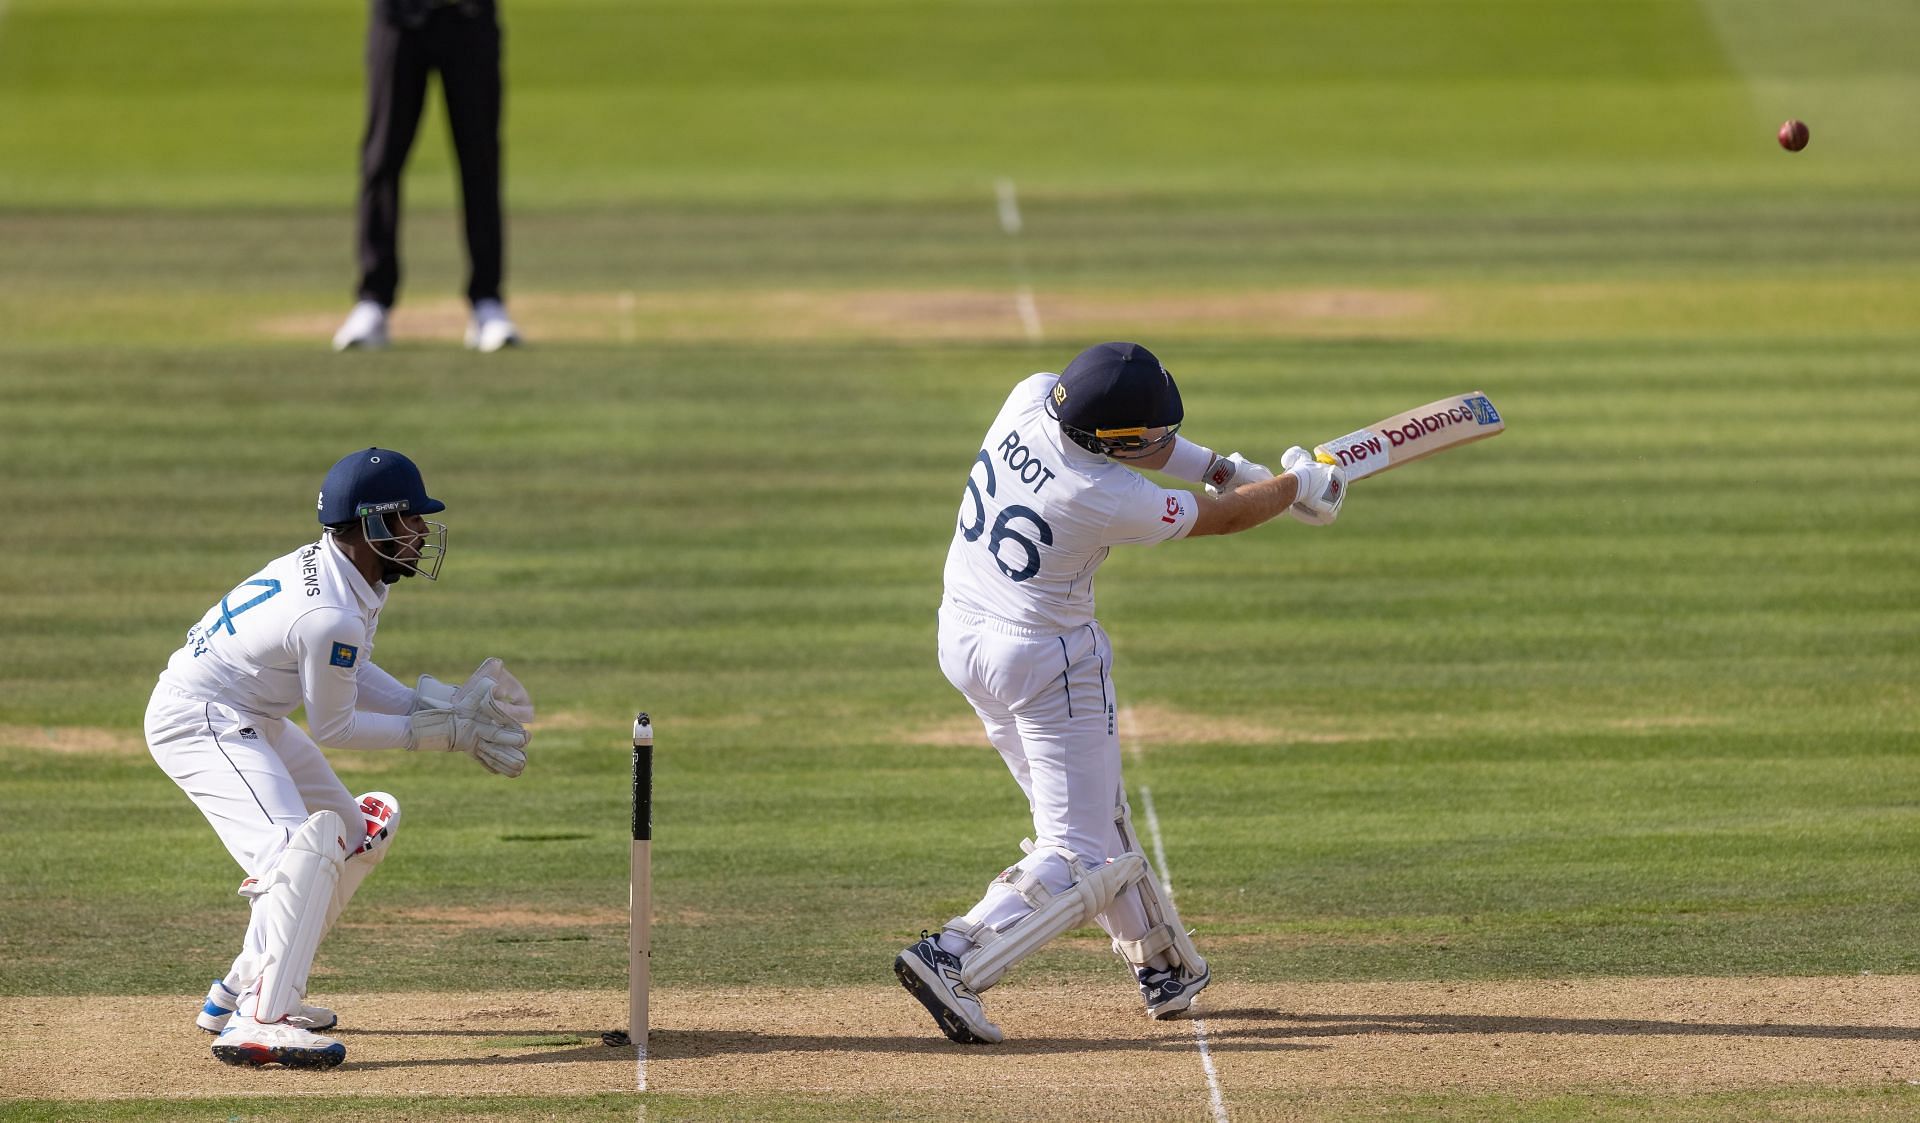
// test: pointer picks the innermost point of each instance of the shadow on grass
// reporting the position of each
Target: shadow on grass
(580, 1054)
(1240, 1030)
(669, 1045)
(1349, 1025)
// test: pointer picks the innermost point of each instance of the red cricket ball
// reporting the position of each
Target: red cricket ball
(1794, 135)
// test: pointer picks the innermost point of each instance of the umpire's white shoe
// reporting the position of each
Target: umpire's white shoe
(220, 1002)
(1169, 993)
(247, 1042)
(366, 328)
(490, 330)
(932, 975)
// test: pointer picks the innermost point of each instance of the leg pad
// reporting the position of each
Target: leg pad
(298, 893)
(1054, 913)
(1167, 935)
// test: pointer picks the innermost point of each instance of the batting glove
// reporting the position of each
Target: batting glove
(1321, 489)
(1229, 472)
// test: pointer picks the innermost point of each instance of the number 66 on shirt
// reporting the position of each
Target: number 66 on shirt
(1039, 514)
(1003, 531)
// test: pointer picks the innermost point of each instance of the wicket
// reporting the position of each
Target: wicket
(640, 919)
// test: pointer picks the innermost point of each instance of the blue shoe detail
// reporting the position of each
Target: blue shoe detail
(917, 967)
(1170, 992)
(218, 1007)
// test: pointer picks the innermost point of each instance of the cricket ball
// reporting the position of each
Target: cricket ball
(1794, 135)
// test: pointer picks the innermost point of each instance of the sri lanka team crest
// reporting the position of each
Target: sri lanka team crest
(344, 654)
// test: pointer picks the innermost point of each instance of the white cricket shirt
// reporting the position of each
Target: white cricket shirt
(1039, 515)
(299, 632)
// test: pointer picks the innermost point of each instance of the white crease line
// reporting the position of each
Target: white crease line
(1029, 312)
(1216, 1101)
(1011, 224)
(1009, 203)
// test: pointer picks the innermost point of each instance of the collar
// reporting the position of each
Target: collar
(369, 597)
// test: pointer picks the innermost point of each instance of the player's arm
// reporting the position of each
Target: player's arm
(331, 644)
(1196, 463)
(1319, 489)
(1243, 508)
(381, 693)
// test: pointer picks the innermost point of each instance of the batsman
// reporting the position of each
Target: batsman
(300, 632)
(1051, 492)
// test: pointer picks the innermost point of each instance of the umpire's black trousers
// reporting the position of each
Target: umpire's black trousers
(406, 40)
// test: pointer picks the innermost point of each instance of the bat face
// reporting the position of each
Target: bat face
(1406, 437)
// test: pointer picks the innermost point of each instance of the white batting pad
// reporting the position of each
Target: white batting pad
(1054, 913)
(299, 892)
(1167, 933)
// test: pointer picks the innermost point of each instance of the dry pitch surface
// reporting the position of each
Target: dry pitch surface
(1533, 1037)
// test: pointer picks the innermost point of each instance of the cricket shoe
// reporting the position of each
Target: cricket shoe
(490, 330)
(1169, 993)
(932, 975)
(366, 328)
(247, 1042)
(221, 1001)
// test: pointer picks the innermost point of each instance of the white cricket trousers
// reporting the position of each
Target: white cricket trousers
(1047, 703)
(255, 779)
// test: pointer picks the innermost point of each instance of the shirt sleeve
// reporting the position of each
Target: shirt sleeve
(1146, 514)
(381, 693)
(332, 646)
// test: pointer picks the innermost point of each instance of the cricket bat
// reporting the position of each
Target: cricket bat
(1406, 437)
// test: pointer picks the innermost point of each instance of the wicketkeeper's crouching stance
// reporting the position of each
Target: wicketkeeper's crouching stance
(1049, 494)
(300, 632)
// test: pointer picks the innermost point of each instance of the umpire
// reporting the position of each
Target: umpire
(406, 40)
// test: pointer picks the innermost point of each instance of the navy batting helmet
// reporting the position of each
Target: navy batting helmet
(370, 487)
(1111, 395)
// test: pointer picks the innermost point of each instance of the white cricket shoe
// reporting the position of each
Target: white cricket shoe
(932, 974)
(247, 1042)
(490, 330)
(1168, 993)
(366, 328)
(220, 1002)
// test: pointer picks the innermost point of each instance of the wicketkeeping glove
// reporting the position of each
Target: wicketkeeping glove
(498, 748)
(510, 701)
(432, 694)
(492, 689)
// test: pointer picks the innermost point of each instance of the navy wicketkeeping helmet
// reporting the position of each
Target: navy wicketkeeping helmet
(1111, 395)
(375, 487)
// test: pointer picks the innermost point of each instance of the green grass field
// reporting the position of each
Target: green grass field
(1627, 692)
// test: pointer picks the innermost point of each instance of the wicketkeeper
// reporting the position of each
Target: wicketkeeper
(1050, 493)
(300, 633)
